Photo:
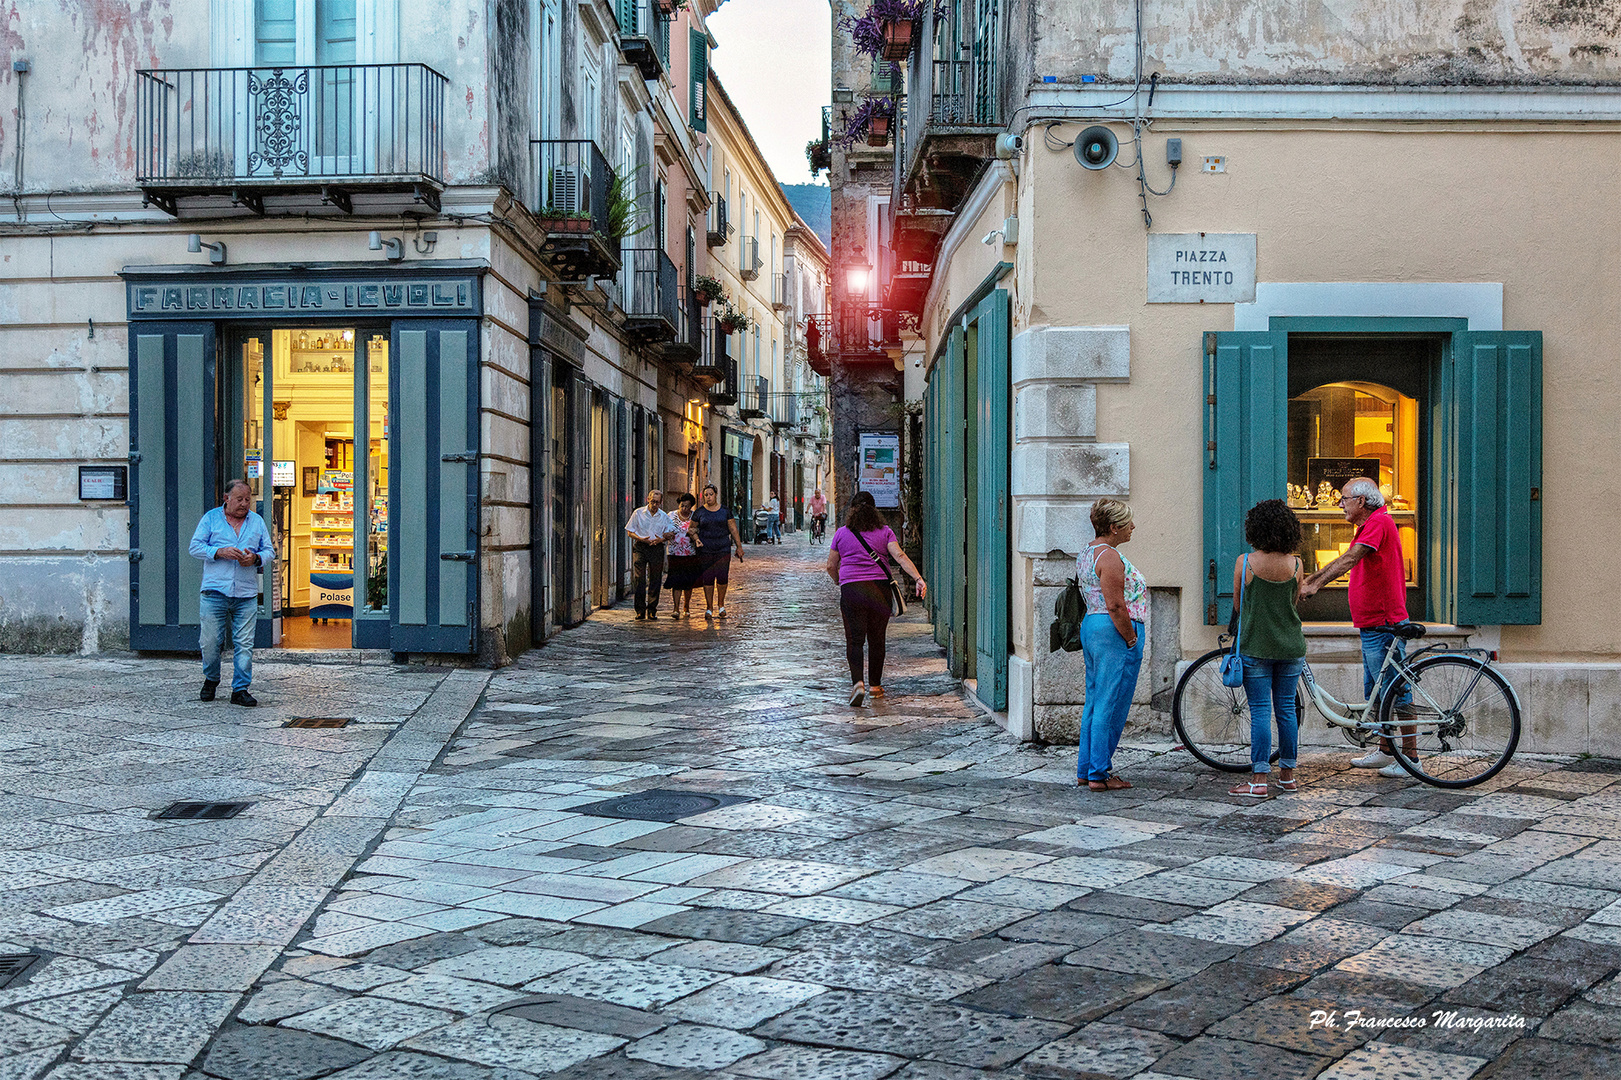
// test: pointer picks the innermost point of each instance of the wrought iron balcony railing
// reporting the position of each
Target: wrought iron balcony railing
(964, 94)
(716, 353)
(779, 291)
(784, 410)
(644, 36)
(570, 197)
(652, 305)
(719, 229)
(687, 345)
(867, 331)
(749, 259)
(256, 131)
(756, 398)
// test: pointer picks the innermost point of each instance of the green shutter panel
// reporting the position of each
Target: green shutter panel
(994, 503)
(698, 101)
(627, 16)
(1246, 447)
(172, 478)
(954, 523)
(1497, 400)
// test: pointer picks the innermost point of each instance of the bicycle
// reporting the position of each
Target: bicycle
(818, 528)
(1460, 729)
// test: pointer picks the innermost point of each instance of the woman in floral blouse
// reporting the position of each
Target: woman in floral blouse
(1116, 596)
(681, 554)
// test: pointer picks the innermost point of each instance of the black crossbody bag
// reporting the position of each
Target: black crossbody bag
(897, 595)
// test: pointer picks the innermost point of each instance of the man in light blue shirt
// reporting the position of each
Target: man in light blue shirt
(234, 545)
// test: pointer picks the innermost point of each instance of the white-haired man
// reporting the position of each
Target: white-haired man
(1378, 597)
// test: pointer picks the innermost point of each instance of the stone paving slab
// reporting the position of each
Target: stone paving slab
(904, 891)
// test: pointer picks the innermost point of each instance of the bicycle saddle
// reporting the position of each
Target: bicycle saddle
(1407, 631)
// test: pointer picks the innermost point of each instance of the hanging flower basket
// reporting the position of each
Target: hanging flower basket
(870, 120)
(878, 131)
(565, 223)
(898, 39)
(707, 289)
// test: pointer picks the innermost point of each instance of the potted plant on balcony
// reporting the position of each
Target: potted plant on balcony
(670, 7)
(707, 289)
(820, 156)
(555, 219)
(889, 27)
(624, 207)
(733, 321)
(871, 120)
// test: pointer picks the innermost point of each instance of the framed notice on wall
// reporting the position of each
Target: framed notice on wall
(878, 468)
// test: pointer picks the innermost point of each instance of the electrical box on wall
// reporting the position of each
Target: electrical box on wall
(1215, 163)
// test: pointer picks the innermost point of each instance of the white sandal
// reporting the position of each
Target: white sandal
(1248, 791)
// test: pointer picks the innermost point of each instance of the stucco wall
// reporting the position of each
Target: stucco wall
(1348, 41)
(1532, 209)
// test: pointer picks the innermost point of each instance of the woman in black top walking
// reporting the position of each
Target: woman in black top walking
(719, 542)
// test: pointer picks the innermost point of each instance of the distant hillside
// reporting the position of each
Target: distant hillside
(814, 203)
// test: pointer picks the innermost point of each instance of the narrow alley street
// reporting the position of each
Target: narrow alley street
(462, 884)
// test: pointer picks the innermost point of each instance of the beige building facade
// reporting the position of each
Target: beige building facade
(1385, 247)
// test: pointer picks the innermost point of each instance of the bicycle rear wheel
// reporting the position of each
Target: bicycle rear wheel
(1212, 720)
(1465, 722)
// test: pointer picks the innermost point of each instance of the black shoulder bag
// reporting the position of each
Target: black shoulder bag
(897, 595)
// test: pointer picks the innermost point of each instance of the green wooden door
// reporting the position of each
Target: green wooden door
(1497, 402)
(992, 501)
(433, 489)
(173, 478)
(1246, 447)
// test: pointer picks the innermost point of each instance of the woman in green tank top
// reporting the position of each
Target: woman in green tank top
(1271, 641)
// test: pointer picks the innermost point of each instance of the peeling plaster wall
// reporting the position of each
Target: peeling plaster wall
(1441, 42)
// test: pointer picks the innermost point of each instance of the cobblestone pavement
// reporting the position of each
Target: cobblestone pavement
(896, 891)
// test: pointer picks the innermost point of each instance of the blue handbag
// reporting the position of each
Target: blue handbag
(1232, 665)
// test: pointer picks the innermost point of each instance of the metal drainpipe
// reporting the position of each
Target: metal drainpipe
(21, 68)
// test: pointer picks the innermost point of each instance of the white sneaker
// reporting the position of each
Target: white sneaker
(1377, 759)
(858, 693)
(1394, 769)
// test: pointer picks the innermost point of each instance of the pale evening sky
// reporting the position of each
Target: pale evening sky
(775, 60)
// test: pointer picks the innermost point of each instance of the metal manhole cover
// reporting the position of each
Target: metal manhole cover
(13, 965)
(200, 811)
(319, 721)
(658, 805)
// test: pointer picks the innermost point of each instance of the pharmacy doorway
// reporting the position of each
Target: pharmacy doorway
(306, 410)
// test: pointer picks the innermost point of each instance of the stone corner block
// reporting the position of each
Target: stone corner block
(1047, 411)
(1070, 471)
(1082, 353)
(1045, 527)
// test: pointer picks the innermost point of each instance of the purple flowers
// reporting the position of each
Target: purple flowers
(867, 31)
(860, 122)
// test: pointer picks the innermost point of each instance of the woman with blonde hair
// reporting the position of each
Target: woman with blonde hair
(1116, 596)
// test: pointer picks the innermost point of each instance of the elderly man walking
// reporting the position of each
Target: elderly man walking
(234, 545)
(649, 527)
(1378, 597)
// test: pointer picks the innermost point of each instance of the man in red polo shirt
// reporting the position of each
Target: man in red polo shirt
(1378, 597)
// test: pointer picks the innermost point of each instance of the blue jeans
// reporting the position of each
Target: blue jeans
(240, 613)
(1272, 689)
(1373, 658)
(775, 532)
(1111, 676)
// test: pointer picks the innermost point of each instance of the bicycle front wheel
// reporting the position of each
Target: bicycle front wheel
(1212, 720)
(1463, 725)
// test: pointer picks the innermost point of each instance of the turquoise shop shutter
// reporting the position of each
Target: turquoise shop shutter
(433, 487)
(173, 478)
(627, 17)
(1497, 400)
(698, 74)
(1246, 447)
(994, 504)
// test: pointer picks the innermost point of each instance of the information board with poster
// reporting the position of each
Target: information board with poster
(878, 470)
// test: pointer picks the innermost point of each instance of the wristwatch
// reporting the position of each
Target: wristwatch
(258, 559)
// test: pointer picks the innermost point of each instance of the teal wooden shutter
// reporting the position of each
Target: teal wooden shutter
(698, 73)
(1246, 447)
(991, 621)
(173, 478)
(953, 524)
(1497, 400)
(433, 487)
(627, 17)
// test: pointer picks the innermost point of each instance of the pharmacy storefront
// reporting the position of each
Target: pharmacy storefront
(347, 398)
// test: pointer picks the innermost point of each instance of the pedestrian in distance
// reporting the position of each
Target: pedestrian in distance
(681, 556)
(1271, 643)
(650, 528)
(718, 543)
(1116, 596)
(857, 560)
(774, 523)
(1378, 597)
(234, 546)
(818, 513)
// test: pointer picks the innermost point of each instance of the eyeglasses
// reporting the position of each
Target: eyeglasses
(1347, 498)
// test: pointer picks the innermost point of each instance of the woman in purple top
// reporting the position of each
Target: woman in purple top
(863, 599)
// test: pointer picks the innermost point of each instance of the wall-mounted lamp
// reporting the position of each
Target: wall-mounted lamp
(216, 252)
(393, 248)
(857, 274)
(843, 95)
